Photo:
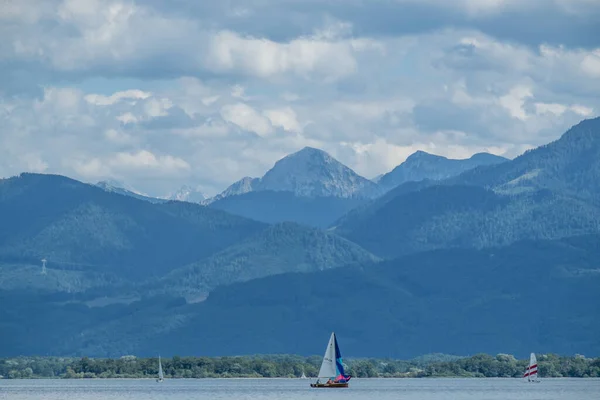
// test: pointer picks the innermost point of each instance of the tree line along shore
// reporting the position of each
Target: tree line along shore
(290, 366)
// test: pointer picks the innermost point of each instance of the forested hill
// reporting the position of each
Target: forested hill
(73, 224)
(289, 366)
(458, 301)
(432, 266)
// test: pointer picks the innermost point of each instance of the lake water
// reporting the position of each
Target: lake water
(298, 389)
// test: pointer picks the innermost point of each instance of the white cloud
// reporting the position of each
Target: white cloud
(247, 118)
(34, 162)
(139, 163)
(155, 107)
(144, 159)
(238, 92)
(515, 100)
(198, 95)
(132, 94)
(591, 64)
(118, 137)
(127, 118)
(230, 52)
(551, 108)
(584, 111)
(60, 99)
(284, 118)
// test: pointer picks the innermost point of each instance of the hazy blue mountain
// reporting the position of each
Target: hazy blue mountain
(119, 188)
(547, 193)
(569, 165)
(309, 172)
(540, 295)
(421, 165)
(280, 248)
(189, 194)
(102, 241)
(240, 187)
(531, 294)
(446, 216)
(80, 226)
(308, 187)
(502, 258)
(273, 207)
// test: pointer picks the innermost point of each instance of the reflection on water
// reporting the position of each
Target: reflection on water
(297, 389)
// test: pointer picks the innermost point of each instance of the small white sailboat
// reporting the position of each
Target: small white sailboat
(303, 376)
(531, 373)
(160, 371)
(332, 367)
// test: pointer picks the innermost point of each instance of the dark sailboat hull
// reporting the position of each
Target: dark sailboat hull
(329, 385)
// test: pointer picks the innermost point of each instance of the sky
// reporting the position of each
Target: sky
(159, 94)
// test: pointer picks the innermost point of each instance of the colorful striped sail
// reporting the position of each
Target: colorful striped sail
(531, 373)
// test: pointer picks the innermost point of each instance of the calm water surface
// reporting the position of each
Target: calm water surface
(298, 389)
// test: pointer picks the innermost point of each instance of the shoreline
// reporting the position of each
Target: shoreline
(293, 367)
(290, 379)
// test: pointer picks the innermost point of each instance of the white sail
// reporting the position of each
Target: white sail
(532, 369)
(160, 370)
(328, 369)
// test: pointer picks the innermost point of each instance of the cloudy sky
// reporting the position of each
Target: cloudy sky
(159, 94)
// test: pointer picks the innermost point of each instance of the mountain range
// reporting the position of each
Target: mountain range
(421, 166)
(119, 188)
(312, 188)
(447, 261)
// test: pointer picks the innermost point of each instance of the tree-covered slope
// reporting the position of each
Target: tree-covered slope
(538, 295)
(75, 225)
(280, 248)
(531, 295)
(280, 206)
(570, 165)
(447, 216)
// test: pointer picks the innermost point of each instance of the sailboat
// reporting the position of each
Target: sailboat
(303, 375)
(160, 371)
(531, 373)
(332, 367)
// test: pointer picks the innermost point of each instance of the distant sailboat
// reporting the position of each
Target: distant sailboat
(332, 367)
(160, 371)
(531, 373)
(303, 375)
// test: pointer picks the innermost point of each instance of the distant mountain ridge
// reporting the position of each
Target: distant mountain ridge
(189, 194)
(312, 173)
(97, 238)
(73, 223)
(308, 187)
(421, 165)
(244, 185)
(550, 192)
(570, 165)
(119, 188)
(309, 172)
